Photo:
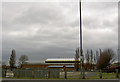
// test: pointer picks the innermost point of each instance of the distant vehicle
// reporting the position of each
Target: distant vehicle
(9, 73)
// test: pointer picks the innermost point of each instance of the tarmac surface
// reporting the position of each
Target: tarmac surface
(40, 80)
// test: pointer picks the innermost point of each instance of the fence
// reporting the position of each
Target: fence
(3, 72)
(40, 73)
(88, 75)
(33, 73)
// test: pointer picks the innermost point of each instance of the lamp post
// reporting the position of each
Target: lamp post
(81, 50)
(81, 55)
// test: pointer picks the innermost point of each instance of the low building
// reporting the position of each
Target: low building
(61, 60)
(68, 62)
(35, 65)
(52, 63)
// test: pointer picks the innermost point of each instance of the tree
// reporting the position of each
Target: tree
(91, 59)
(105, 58)
(94, 58)
(23, 59)
(77, 60)
(3, 63)
(100, 52)
(97, 56)
(87, 58)
(12, 59)
(83, 66)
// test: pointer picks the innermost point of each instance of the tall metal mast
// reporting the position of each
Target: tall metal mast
(81, 55)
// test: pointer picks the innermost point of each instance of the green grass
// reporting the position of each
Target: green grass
(104, 76)
(109, 75)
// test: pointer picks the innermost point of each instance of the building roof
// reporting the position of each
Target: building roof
(60, 59)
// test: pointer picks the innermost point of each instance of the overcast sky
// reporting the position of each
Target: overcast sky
(51, 29)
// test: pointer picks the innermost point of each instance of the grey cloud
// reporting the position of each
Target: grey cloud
(42, 30)
(105, 17)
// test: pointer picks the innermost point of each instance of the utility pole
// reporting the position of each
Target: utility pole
(81, 50)
(81, 55)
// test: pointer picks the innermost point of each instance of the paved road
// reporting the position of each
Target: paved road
(23, 80)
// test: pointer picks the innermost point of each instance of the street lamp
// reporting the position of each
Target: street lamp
(81, 55)
(81, 50)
